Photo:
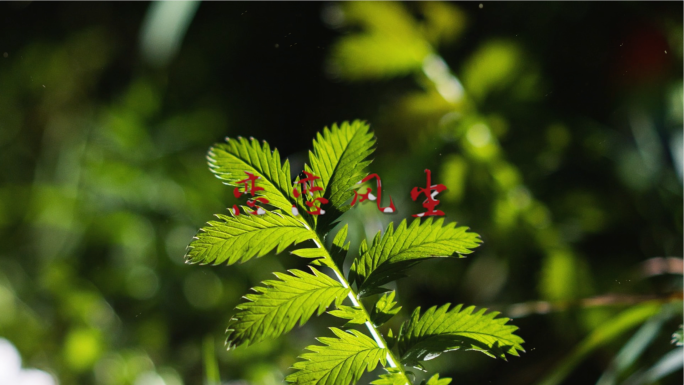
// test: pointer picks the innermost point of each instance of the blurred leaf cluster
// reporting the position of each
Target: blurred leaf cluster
(556, 127)
(470, 120)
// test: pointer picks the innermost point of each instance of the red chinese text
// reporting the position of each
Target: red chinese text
(368, 195)
(309, 186)
(250, 188)
(430, 202)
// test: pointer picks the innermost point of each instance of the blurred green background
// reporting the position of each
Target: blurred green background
(557, 128)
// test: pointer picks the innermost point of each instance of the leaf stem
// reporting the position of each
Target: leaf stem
(392, 361)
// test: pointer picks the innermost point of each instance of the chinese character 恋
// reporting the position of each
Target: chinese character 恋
(309, 186)
(306, 185)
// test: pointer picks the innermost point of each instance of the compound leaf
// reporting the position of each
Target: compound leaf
(394, 252)
(441, 330)
(340, 361)
(278, 307)
(245, 236)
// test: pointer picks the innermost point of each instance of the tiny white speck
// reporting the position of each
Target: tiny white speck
(388, 210)
(371, 197)
(261, 211)
(322, 212)
(295, 212)
(665, 52)
(481, 5)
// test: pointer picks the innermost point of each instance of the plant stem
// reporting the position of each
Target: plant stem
(211, 370)
(377, 336)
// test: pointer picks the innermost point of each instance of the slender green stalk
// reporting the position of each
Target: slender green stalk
(392, 361)
(211, 370)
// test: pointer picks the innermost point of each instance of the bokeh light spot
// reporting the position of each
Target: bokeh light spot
(203, 289)
(142, 282)
(82, 348)
(479, 135)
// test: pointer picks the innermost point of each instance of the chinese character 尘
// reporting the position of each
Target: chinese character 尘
(430, 192)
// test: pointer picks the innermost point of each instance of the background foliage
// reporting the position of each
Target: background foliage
(557, 128)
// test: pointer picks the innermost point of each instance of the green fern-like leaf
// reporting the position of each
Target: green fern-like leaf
(394, 252)
(339, 248)
(440, 330)
(339, 159)
(384, 309)
(277, 308)
(394, 376)
(243, 237)
(354, 314)
(229, 161)
(435, 380)
(312, 253)
(340, 361)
